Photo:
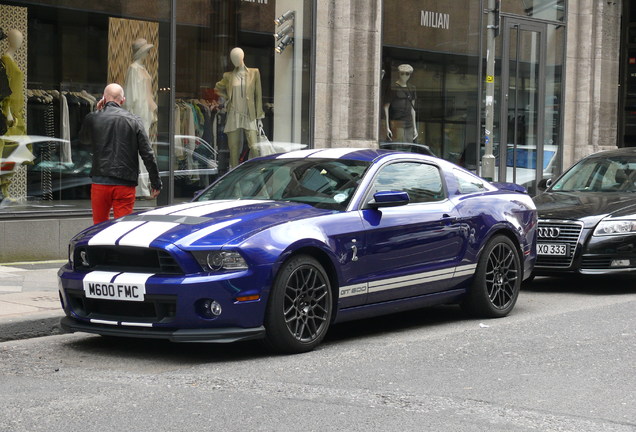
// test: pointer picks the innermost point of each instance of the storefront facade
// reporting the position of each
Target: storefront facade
(359, 73)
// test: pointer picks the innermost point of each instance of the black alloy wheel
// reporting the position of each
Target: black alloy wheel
(497, 281)
(300, 307)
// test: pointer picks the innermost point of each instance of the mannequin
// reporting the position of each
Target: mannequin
(5, 90)
(12, 106)
(399, 108)
(140, 100)
(242, 92)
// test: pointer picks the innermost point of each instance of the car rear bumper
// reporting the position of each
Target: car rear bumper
(216, 335)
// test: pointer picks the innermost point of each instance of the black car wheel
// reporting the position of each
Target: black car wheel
(497, 281)
(300, 307)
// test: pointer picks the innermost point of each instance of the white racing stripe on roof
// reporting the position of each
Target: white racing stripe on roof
(146, 234)
(110, 235)
(296, 154)
(333, 153)
(215, 206)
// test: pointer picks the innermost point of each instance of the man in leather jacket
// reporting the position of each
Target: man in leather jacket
(117, 137)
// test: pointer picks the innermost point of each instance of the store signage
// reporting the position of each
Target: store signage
(435, 20)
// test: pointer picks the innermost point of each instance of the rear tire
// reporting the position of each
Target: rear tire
(300, 306)
(497, 281)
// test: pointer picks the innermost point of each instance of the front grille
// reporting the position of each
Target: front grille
(125, 259)
(568, 233)
(155, 308)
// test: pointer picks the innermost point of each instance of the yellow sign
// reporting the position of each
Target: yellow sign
(490, 79)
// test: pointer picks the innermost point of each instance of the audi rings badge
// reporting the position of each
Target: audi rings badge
(549, 232)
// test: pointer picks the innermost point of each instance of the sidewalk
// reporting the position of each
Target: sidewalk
(29, 302)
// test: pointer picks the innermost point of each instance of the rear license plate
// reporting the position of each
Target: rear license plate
(552, 249)
(99, 286)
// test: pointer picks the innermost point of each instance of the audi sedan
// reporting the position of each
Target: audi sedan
(587, 217)
(284, 246)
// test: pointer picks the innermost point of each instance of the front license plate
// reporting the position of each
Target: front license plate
(118, 288)
(552, 249)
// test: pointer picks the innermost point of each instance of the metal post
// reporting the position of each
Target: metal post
(488, 160)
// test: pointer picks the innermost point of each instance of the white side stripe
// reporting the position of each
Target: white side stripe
(146, 234)
(111, 234)
(405, 281)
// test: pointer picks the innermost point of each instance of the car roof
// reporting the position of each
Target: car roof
(625, 151)
(367, 155)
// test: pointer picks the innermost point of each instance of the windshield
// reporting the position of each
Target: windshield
(600, 174)
(322, 183)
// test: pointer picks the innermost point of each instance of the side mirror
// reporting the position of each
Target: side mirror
(389, 199)
(544, 184)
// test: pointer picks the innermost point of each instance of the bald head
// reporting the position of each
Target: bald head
(114, 93)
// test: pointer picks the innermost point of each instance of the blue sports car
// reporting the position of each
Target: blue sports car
(284, 246)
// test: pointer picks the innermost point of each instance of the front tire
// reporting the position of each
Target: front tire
(497, 281)
(300, 306)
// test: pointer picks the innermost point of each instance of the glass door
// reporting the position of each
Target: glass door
(522, 114)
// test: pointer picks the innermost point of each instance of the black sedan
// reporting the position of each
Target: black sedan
(587, 217)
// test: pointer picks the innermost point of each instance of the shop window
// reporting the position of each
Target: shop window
(58, 57)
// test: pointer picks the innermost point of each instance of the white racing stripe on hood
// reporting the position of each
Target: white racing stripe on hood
(175, 208)
(100, 276)
(144, 235)
(110, 235)
(215, 206)
(197, 235)
(132, 278)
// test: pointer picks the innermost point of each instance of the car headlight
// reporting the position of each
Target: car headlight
(220, 260)
(615, 227)
(71, 253)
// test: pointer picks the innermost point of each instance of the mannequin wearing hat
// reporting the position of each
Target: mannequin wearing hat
(399, 108)
(140, 99)
(12, 106)
(242, 92)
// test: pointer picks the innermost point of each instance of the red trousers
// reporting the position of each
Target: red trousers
(104, 197)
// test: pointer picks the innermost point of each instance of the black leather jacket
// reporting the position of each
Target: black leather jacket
(116, 137)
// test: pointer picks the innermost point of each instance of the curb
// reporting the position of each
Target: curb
(31, 326)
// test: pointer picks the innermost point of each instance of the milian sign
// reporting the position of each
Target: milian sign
(435, 20)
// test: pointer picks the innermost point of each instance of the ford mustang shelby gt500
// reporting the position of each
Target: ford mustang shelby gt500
(284, 246)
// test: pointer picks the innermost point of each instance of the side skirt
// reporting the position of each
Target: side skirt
(393, 306)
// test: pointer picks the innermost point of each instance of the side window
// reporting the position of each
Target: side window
(468, 183)
(421, 181)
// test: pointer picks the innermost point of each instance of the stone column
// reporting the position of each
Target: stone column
(347, 84)
(592, 76)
